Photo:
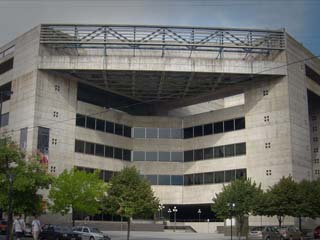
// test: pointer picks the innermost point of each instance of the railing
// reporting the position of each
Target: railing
(163, 38)
(7, 51)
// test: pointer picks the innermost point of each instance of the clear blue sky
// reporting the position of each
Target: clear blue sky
(301, 18)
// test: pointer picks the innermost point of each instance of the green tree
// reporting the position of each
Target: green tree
(129, 196)
(243, 193)
(77, 191)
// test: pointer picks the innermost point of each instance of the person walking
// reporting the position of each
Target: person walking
(18, 227)
(36, 228)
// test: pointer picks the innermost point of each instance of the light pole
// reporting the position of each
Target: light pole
(175, 210)
(199, 212)
(9, 227)
(169, 211)
(160, 209)
(231, 208)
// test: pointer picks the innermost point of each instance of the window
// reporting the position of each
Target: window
(91, 123)
(118, 129)
(218, 127)
(176, 180)
(229, 125)
(109, 127)
(198, 131)
(164, 156)
(57, 88)
(266, 119)
(208, 153)
(314, 129)
(198, 154)
(207, 129)
(219, 177)
(127, 131)
(164, 132)
(99, 150)
(164, 179)
(109, 151)
(188, 156)
(267, 145)
(315, 139)
(188, 179)
(188, 132)
(198, 178)
(139, 132)
(265, 92)
(219, 152)
(229, 150)
(54, 141)
(241, 173)
(313, 118)
(79, 146)
(23, 138)
(4, 119)
(118, 153)
(316, 161)
(315, 150)
(153, 179)
(139, 156)
(43, 140)
(152, 133)
(6, 66)
(55, 114)
(230, 175)
(240, 123)
(177, 156)
(89, 148)
(100, 125)
(80, 120)
(151, 156)
(268, 172)
(240, 148)
(176, 133)
(312, 74)
(126, 155)
(208, 178)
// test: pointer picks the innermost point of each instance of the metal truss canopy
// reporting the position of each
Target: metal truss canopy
(163, 38)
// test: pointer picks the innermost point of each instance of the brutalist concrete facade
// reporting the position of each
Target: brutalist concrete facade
(281, 112)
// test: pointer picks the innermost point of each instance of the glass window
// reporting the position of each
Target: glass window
(118, 153)
(188, 132)
(176, 133)
(164, 179)
(139, 132)
(241, 173)
(152, 132)
(208, 178)
(100, 125)
(4, 119)
(177, 156)
(207, 129)
(99, 150)
(139, 156)
(109, 127)
(153, 179)
(109, 151)
(218, 152)
(218, 127)
(198, 178)
(240, 123)
(89, 148)
(198, 131)
(188, 179)
(229, 125)
(176, 180)
(151, 156)
(230, 175)
(80, 120)
(240, 148)
(219, 177)
(126, 155)
(91, 123)
(118, 129)
(164, 132)
(229, 150)
(79, 146)
(208, 153)
(198, 154)
(127, 131)
(164, 156)
(188, 156)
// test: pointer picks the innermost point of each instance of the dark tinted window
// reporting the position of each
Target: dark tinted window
(219, 177)
(208, 153)
(207, 129)
(151, 156)
(6, 89)
(164, 156)
(229, 150)
(127, 131)
(6, 66)
(177, 156)
(126, 155)
(208, 178)
(240, 148)
(81, 120)
(118, 153)
(79, 146)
(218, 152)
(152, 133)
(218, 127)
(188, 132)
(198, 178)
(89, 148)
(99, 151)
(109, 127)
(100, 125)
(164, 132)
(4, 119)
(241, 173)
(240, 123)
(198, 131)
(118, 129)
(176, 180)
(164, 179)
(230, 175)
(109, 151)
(229, 125)
(153, 179)
(188, 156)
(139, 156)
(188, 179)
(91, 123)
(198, 154)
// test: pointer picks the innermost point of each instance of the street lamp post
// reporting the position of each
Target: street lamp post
(175, 210)
(169, 211)
(199, 212)
(160, 209)
(9, 227)
(231, 208)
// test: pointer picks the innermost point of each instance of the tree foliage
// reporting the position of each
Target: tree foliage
(129, 196)
(77, 191)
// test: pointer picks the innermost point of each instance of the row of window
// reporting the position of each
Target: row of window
(103, 126)
(102, 150)
(157, 156)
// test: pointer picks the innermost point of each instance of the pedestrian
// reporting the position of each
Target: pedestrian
(18, 227)
(36, 227)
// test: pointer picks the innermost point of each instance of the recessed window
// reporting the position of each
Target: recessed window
(164, 156)
(198, 154)
(315, 139)
(139, 156)
(316, 161)
(109, 127)
(139, 132)
(54, 141)
(230, 175)
(268, 172)
(177, 156)
(176, 180)
(218, 127)
(126, 155)
(267, 145)
(240, 123)
(188, 156)
(219, 177)
(188, 179)
(266, 119)
(241, 173)
(164, 133)
(99, 150)
(127, 131)
(100, 125)
(229, 150)
(240, 148)
(153, 179)
(198, 178)
(176, 133)
(265, 92)
(313, 118)
(198, 131)
(164, 179)
(317, 171)
(57, 88)
(109, 151)
(151, 156)
(80, 120)
(89, 148)
(55, 114)
(79, 146)
(208, 153)
(118, 153)
(4, 119)
(315, 150)
(315, 129)
(219, 152)
(228, 125)
(207, 129)
(188, 132)
(118, 129)
(91, 123)
(152, 132)
(208, 178)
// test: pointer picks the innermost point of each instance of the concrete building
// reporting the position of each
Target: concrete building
(192, 108)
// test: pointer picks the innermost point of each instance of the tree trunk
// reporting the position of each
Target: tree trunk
(300, 221)
(72, 216)
(279, 220)
(128, 232)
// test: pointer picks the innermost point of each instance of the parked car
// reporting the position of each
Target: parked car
(90, 233)
(316, 232)
(290, 233)
(264, 233)
(28, 230)
(3, 226)
(57, 232)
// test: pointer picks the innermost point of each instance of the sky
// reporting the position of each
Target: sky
(300, 18)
